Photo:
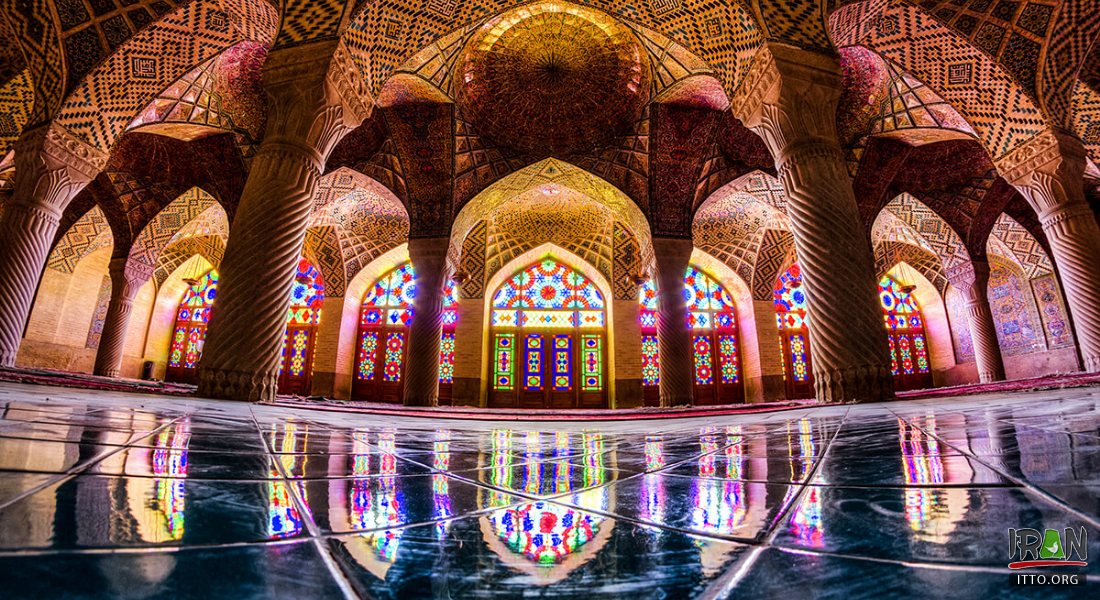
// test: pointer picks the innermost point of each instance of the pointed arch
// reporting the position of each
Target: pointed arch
(193, 213)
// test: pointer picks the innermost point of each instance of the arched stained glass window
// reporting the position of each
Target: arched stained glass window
(794, 335)
(556, 316)
(307, 296)
(905, 331)
(713, 322)
(387, 311)
(189, 332)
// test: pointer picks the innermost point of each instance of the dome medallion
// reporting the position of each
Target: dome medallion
(553, 79)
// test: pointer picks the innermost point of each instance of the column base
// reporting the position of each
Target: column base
(1092, 363)
(237, 385)
(870, 383)
(112, 373)
(990, 377)
(7, 359)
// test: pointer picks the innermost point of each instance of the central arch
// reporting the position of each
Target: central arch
(549, 341)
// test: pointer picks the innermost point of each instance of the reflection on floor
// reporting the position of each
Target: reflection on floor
(122, 495)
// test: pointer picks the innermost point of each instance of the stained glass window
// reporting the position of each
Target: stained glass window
(904, 328)
(387, 311)
(307, 297)
(790, 316)
(713, 321)
(568, 311)
(189, 332)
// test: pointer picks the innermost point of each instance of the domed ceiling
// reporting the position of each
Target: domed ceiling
(553, 79)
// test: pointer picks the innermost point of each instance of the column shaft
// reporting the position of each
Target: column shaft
(674, 344)
(1049, 171)
(309, 111)
(127, 277)
(52, 166)
(429, 259)
(794, 109)
(983, 331)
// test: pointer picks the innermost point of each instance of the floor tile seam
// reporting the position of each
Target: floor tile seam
(335, 572)
(724, 586)
(77, 469)
(888, 486)
(1044, 495)
(151, 549)
(942, 566)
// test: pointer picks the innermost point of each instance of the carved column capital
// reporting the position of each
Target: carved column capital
(128, 275)
(52, 165)
(789, 98)
(971, 279)
(1048, 170)
(314, 99)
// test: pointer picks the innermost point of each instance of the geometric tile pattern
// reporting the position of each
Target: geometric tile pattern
(912, 104)
(567, 219)
(210, 247)
(888, 254)
(1086, 119)
(985, 93)
(104, 103)
(730, 226)
(385, 35)
(1023, 246)
(776, 252)
(157, 234)
(473, 261)
(628, 264)
(323, 250)
(16, 102)
(936, 235)
(90, 233)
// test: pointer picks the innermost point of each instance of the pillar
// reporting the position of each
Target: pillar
(51, 167)
(1049, 171)
(674, 345)
(429, 259)
(311, 105)
(127, 277)
(790, 100)
(973, 283)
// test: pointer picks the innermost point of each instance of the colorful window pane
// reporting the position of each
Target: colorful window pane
(790, 299)
(532, 362)
(591, 363)
(711, 315)
(388, 309)
(504, 352)
(563, 362)
(193, 314)
(904, 328)
(798, 358)
(306, 296)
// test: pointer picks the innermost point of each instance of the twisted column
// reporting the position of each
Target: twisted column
(973, 282)
(52, 166)
(429, 259)
(127, 277)
(1049, 172)
(674, 345)
(791, 104)
(309, 111)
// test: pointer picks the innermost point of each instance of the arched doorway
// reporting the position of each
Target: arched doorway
(383, 338)
(905, 331)
(549, 327)
(713, 322)
(189, 331)
(794, 335)
(296, 361)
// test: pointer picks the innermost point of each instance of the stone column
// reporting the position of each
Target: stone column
(674, 345)
(51, 167)
(127, 277)
(1049, 171)
(973, 283)
(311, 105)
(789, 99)
(429, 259)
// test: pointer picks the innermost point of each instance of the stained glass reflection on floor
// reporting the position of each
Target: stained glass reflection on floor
(125, 495)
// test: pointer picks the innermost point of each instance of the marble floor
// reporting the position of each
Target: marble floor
(134, 496)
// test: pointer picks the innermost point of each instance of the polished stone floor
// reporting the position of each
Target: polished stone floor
(134, 496)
